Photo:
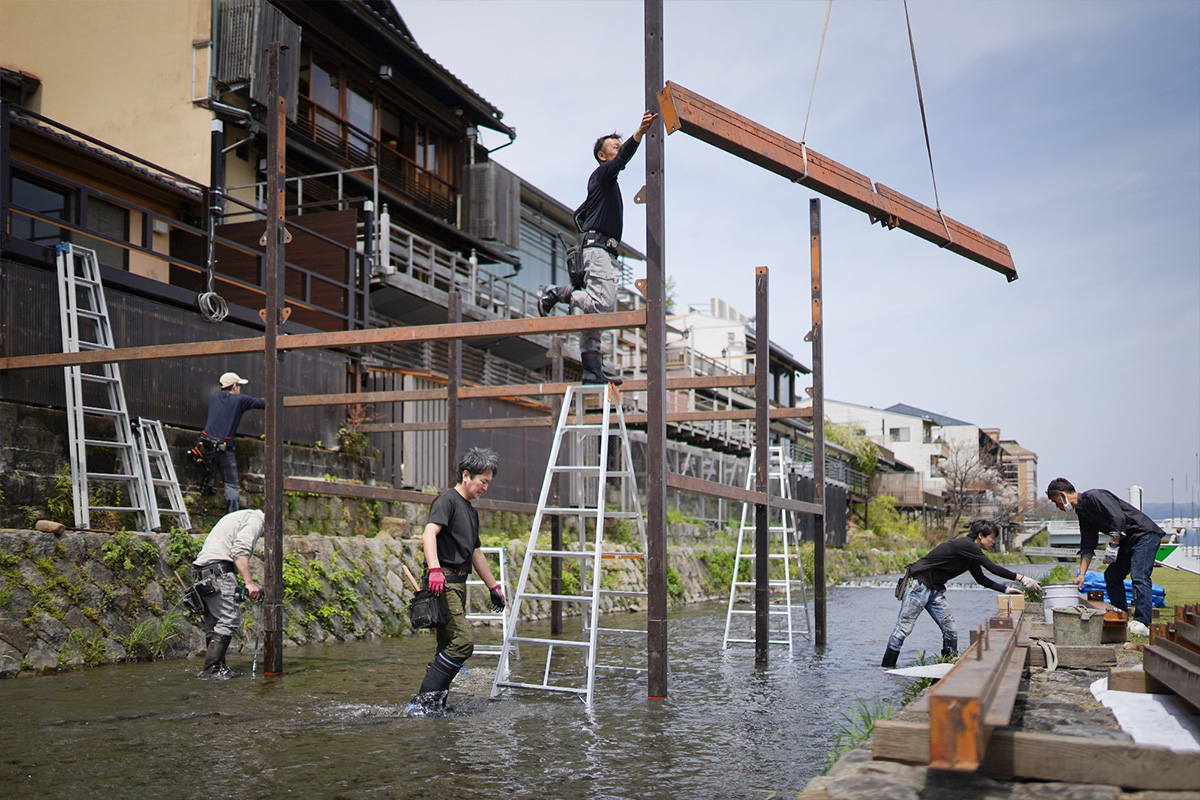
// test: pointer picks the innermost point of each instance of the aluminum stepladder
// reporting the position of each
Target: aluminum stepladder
(160, 475)
(473, 582)
(783, 555)
(97, 416)
(580, 451)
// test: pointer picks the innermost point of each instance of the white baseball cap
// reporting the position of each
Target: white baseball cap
(230, 378)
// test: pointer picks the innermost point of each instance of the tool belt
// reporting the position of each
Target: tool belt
(210, 443)
(215, 568)
(455, 575)
(598, 239)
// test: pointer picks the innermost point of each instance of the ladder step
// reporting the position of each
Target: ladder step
(544, 686)
(103, 412)
(592, 512)
(584, 428)
(569, 598)
(553, 642)
(769, 583)
(94, 346)
(621, 593)
(770, 611)
(116, 508)
(620, 630)
(111, 476)
(106, 443)
(584, 554)
(94, 378)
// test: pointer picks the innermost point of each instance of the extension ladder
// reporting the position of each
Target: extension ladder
(580, 453)
(160, 475)
(97, 416)
(784, 557)
(489, 616)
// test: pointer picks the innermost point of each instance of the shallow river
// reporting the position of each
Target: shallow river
(332, 726)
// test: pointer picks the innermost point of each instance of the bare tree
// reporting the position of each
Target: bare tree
(971, 484)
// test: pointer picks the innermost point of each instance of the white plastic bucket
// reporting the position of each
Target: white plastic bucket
(1058, 596)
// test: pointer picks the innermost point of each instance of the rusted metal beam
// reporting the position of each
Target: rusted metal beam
(453, 381)
(817, 337)
(687, 483)
(488, 329)
(684, 110)
(359, 491)
(511, 390)
(1175, 666)
(762, 461)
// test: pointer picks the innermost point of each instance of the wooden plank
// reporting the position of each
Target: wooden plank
(1091, 657)
(360, 491)
(591, 419)
(1052, 757)
(687, 483)
(1134, 680)
(684, 110)
(1175, 667)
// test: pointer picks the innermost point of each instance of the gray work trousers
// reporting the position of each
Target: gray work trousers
(599, 292)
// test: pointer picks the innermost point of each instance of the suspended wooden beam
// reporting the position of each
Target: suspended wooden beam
(722, 415)
(684, 110)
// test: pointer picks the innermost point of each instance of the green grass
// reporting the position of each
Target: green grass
(1183, 588)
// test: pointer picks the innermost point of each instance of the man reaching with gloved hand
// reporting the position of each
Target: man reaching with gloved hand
(925, 585)
(452, 548)
(225, 556)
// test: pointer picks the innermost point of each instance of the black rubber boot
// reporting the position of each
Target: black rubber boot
(552, 296)
(889, 658)
(949, 653)
(431, 697)
(593, 369)
(214, 658)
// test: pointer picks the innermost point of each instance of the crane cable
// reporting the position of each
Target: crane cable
(811, 93)
(924, 124)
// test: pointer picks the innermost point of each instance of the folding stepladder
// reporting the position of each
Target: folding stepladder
(580, 451)
(160, 475)
(787, 592)
(97, 416)
(474, 583)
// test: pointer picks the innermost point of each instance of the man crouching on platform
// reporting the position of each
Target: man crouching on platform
(225, 555)
(452, 548)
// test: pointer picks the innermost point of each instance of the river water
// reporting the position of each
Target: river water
(333, 725)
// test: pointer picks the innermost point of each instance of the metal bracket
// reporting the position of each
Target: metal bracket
(286, 237)
(640, 197)
(640, 285)
(284, 314)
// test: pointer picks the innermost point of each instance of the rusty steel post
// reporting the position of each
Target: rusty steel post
(274, 238)
(656, 372)
(818, 422)
(556, 527)
(453, 381)
(762, 443)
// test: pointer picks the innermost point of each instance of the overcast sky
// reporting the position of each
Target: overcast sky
(1068, 130)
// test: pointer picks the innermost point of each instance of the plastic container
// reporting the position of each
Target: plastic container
(1077, 626)
(1058, 596)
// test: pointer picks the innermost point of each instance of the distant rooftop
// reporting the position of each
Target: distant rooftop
(936, 419)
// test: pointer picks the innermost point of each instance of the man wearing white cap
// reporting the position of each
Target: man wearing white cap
(225, 409)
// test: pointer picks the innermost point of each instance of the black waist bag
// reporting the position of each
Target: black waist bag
(900, 584)
(428, 610)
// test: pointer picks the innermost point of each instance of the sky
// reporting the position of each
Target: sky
(1068, 130)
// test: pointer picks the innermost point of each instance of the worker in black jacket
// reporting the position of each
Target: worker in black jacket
(925, 585)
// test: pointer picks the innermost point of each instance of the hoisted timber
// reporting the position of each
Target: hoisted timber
(580, 453)
(714, 124)
(97, 416)
(787, 585)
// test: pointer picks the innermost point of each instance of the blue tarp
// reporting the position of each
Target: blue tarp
(1094, 582)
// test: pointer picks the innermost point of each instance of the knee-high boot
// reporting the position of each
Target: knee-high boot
(431, 697)
(214, 657)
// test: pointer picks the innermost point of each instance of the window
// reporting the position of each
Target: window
(46, 201)
(111, 221)
(898, 434)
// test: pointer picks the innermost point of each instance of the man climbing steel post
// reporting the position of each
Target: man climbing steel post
(225, 555)
(601, 220)
(452, 548)
(225, 409)
(925, 585)
(1101, 511)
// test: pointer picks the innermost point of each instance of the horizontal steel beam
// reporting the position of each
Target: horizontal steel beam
(359, 491)
(684, 110)
(513, 390)
(488, 329)
(686, 483)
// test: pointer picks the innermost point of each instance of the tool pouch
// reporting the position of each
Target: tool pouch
(574, 259)
(900, 584)
(428, 610)
(210, 444)
(192, 597)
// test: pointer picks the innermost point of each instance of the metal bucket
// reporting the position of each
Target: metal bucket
(1077, 626)
(1058, 596)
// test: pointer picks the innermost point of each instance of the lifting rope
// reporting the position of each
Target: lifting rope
(811, 93)
(921, 101)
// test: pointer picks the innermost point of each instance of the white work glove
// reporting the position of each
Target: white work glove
(1029, 583)
(1013, 590)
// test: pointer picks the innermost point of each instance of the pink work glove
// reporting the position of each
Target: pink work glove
(437, 581)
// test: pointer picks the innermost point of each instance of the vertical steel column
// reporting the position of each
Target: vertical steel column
(453, 381)
(818, 359)
(556, 527)
(274, 238)
(656, 370)
(6, 168)
(762, 443)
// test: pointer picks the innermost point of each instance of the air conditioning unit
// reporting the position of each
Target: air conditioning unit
(492, 203)
(245, 28)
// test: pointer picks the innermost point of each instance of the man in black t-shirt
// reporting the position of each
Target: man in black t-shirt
(225, 409)
(925, 585)
(601, 219)
(452, 548)
(1101, 511)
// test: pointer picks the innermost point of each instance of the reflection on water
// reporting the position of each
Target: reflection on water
(332, 726)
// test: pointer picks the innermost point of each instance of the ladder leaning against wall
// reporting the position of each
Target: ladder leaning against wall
(596, 568)
(787, 590)
(98, 424)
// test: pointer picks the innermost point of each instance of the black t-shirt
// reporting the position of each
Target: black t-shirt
(953, 558)
(1101, 511)
(225, 411)
(603, 210)
(459, 536)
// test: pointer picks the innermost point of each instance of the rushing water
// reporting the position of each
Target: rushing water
(333, 726)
